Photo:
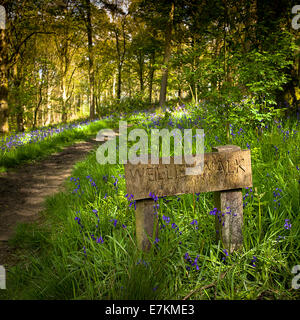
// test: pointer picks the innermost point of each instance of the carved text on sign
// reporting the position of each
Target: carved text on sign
(222, 171)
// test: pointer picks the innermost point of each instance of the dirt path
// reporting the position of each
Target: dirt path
(23, 191)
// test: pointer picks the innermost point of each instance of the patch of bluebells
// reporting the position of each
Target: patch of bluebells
(116, 183)
(93, 184)
(253, 261)
(92, 236)
(220, 215)
(115, 221)
(217, 139)
(226, 255)
(174, 226)
(166, 219)
(99, 240)
(153, 196)
(156, 205)
(15, 141)
(79, 223)
(165, 199)
(239, 132)
(96, 214)
(131, 201)
(277, 196)
(287, 224)
(279, 126)
(247, 195)
(231, 131)
(190, 262)
(195, 223)
(228, 211)
(140, 261)
(77, 184)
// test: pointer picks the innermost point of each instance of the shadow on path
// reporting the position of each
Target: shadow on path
(23, 191)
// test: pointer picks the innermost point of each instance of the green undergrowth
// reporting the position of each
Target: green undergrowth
(86, 247)
(39, 150)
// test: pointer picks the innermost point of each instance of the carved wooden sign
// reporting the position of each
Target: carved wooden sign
(221, 171)
(225, 171)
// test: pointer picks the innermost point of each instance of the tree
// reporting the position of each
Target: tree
(3, 82)
(167, 55)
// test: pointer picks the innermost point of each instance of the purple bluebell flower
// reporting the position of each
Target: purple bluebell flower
(253, 261)
(99, 240)
(114, 221)
(287, 225)
(226, 254)
(166, 219)
(213, 212)
(174, 225)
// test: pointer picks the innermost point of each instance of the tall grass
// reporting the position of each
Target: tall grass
(86, 247)
(44, 147)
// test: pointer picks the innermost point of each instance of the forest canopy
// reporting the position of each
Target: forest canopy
(66, 59)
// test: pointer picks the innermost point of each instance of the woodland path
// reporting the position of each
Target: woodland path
(23, 190)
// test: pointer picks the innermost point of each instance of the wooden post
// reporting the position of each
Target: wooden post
(226, 171)
(146, 223)
(229, 218)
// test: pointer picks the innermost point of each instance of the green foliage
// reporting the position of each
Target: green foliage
(72, 264)
(39, 150)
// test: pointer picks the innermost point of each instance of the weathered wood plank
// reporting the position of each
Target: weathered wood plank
(222, 171)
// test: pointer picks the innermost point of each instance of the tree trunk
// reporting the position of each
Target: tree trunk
(17, 80)
(40, 99)
(3, 84)
(64, 99)
(91, 59)
(119, 83)
(141, 70)
(121, 55)
(151, 75)
(167, 55)
(78, 104)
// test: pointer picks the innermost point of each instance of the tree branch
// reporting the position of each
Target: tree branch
(10, 61)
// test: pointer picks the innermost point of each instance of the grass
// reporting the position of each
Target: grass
(35, 151)
(79, 253)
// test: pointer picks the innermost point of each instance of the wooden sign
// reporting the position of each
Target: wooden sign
(226, 171)
(221, 171)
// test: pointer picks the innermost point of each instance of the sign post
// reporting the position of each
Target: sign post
(225, 172)
(229, 217)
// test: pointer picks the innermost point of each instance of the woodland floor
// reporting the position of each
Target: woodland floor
(24, 189)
